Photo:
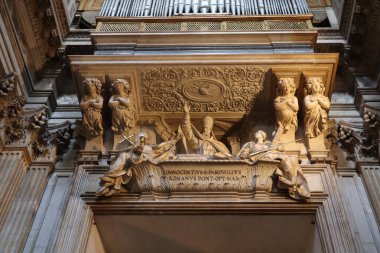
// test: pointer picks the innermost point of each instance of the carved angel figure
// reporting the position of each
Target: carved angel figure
(286, 105)
(290, 175)
(316, 106)
(121, 170)
(204, 142)
(91, 106)
(121, 106)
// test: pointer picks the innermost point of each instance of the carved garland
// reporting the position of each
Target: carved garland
(208, 89)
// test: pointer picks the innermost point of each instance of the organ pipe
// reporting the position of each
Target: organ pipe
(162, 8)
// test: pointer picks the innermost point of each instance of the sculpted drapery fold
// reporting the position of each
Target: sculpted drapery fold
(204, 142)
(316, 106)
(286, 105)
(121, 106)
(91, 106)
(290, 175)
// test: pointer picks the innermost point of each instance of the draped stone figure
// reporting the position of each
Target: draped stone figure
(316, 106)
(286, 108)
(91, 106)
(290, 175)
(286, 105)
(204, 142)
(121, 170)
(121, 106)
(258, 144)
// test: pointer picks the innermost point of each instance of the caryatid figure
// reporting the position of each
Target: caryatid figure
(316, 106)
(286, 106)
(121, 106)
(91, 105)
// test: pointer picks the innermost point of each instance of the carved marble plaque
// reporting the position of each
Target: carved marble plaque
(205, 176)
(208, 89)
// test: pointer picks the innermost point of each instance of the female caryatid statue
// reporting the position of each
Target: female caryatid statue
(91, 106)
(121, 106)
(316, 106)
(286, 106)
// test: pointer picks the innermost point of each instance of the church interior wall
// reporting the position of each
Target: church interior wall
(47, 191)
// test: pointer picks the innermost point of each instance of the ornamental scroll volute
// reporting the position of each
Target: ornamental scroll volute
(207, 89)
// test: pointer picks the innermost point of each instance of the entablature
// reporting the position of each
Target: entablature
(235, 72)
(260, 32)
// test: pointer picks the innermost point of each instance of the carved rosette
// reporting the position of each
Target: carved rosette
(208, 89)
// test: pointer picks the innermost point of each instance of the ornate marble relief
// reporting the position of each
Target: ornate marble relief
(37, 32)
(29, 149)
(172, 89)
(208, 167)
(290, 175)
(361, 142)
(28, 128)
(122, 168)
(202, 142)
(207, 89)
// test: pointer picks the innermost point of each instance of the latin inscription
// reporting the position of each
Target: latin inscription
(210, 175)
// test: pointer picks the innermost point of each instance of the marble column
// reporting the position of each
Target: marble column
(28, 193)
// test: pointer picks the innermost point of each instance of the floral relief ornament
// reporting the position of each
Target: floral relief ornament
(207, 89)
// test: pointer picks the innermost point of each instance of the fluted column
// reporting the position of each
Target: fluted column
(11, 59)
(76, 224)
(22, 209)
(332, 218)
(12, 170)
(371, 178)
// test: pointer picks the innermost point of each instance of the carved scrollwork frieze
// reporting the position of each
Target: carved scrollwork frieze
(208, 89)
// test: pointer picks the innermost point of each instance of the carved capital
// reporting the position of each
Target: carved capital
(360, 145)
